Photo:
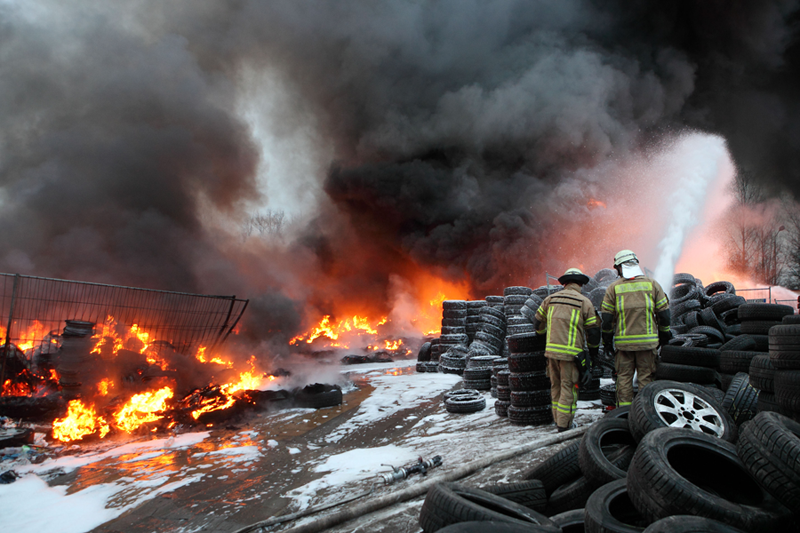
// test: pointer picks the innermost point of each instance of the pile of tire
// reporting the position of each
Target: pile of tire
(473, 318)
(491, 334)
(514, 299)
(454, 360)
(424, 363)
(676, 464)
(595, 290)
(608, 394)
(463, 401)
(784, 358)
(478, 373)
(498, 365)
(529, 401)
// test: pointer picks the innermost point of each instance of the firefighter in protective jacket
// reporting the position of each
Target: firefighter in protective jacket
(568, 318)
(635, 313)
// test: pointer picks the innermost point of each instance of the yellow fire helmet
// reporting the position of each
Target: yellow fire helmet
(574, 275)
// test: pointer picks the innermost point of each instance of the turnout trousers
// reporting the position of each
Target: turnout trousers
(563, 390)
(643, 362)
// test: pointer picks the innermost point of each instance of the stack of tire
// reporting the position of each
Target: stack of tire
(478, 373)
(529, 308)
(784, 355)
(424, 363)
(529, 399)
(689, 364)
(661, 470)
(498, 365)
(513, 300)
(491, 334)
(453, 341)
(462, 401)
(595, 290)
(473, 318)
(592, 392)
(454, 360)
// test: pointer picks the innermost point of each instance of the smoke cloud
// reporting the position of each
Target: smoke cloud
(471, 139)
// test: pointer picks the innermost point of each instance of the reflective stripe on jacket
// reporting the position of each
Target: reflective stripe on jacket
(634, 304)
(565, 316)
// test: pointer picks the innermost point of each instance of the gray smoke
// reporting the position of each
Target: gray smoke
(467, 135)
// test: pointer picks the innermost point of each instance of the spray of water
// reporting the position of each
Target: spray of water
(692, 165)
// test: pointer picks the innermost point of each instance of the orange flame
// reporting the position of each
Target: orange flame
(247, 381)
(142, 408)
(331, 331)
(16, 389)
(80, 421)
(595, 203)
(104, 386)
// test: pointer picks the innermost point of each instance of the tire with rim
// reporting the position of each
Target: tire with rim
(679, 405)
(609, 509)
(451, 503)
(769, 447)
(675, 471)
(592, 454)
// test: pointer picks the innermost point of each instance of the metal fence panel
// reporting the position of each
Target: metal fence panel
(31, 307)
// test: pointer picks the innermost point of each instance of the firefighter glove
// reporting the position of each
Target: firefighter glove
(584, 363)
(664, 337)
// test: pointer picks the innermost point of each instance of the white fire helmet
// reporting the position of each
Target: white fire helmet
(629, 263)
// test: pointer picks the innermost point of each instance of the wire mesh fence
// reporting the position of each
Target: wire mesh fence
(33, 309)
(758, 295)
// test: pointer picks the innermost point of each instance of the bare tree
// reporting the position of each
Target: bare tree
(268, 224)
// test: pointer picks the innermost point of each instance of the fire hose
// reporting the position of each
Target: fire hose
(397, 474)
(404, 494)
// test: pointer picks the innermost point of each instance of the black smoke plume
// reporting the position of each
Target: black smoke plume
(465, 135)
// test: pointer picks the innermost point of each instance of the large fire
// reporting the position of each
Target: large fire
(154, 397)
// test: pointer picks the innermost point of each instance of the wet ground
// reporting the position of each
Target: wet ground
(282, 462)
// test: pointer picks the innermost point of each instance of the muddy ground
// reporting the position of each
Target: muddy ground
(237, 497)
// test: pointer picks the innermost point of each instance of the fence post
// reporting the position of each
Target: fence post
(8, 330)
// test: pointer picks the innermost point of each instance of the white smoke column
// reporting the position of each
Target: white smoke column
(694, 163)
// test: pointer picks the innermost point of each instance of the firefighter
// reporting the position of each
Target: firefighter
(568, 318)
(635, 322)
